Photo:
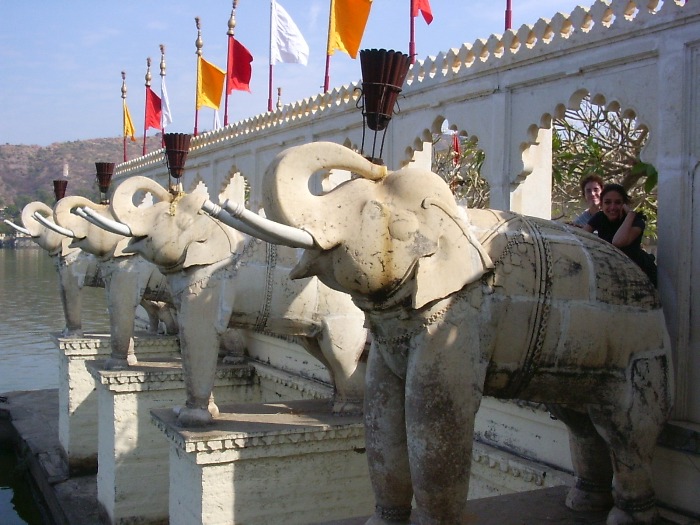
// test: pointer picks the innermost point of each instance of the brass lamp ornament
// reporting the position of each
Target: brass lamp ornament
(383, 75)
(177, 146)
(104, 171)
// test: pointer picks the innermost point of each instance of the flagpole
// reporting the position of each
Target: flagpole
(412, 41)
(162, 81)
(269, 83)
(509, 15)
(229, 65)
(327, 76)
(199, 44)
(124, 111)
(145, 111)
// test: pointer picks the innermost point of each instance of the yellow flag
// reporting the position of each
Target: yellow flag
(210, 84)
(347, 25)
(128, 124)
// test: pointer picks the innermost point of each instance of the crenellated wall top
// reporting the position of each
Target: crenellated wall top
(584, 26)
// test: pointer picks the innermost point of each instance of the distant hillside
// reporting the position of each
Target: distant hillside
(27, 172)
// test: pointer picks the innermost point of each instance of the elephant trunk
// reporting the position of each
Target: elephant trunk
(34, 227)
(105, 223)
(124, 209)
(53, 226)
(287, 196)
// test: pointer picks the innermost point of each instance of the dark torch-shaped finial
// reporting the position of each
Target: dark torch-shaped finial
(59, 188)
(177, 146)
(104, 171)
(383, 75)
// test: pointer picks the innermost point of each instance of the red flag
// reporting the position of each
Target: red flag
(424, 7)
(456, 148)
(153, 109)
(239, 66)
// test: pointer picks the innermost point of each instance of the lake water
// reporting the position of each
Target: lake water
(30, 310)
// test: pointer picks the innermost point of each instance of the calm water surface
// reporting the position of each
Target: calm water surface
(30, 311)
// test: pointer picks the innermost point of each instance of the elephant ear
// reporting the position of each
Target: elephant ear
(459, 260)
(205, 249)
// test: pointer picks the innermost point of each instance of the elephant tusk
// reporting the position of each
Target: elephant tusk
(109, 225)
(53, 226)
(18, 228)
(237, 217)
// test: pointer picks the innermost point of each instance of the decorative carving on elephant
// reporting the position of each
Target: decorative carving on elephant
(129, 280)
(75, 268)
(222, 278)
(466, 303)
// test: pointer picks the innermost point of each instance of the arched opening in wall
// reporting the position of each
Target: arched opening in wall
(456, 157)
(601, 139)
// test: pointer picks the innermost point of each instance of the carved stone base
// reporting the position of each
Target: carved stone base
(77, 398)
(132, 479)
(288, 462)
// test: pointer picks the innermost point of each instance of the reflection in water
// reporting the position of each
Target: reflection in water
(30, 311)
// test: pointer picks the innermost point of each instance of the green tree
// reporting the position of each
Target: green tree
(461, 169)
(594, 139)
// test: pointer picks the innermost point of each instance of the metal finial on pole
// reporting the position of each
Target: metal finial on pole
(145, 111)
(229, 57)
(279, 98)
(124, 111)
(199, 43)
(162, 60)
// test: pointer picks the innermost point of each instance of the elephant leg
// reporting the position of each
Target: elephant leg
(122, 300)
(387, 449)
(444, 385)
(199, 345)
(71, 299)
(342, 343)
(631, 427)
(590, 457)
(232, 347)
(152, 309)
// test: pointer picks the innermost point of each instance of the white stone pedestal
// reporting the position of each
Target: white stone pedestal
(132, 479)
(77, 399)
(275, 463)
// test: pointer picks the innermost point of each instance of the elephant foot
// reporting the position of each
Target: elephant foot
(193, 417)
(116, 363)
(638, 512)
(72, 334)
(232, 359)
(582, 499)
(390, 516)
(347, 407)
(213, 409)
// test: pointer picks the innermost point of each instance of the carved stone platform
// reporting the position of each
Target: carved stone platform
(77, 398)
(288, 462)
(132, 478)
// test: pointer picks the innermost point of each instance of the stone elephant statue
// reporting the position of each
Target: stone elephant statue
(221, 278)
(129, 280)
(75, 268)
(463, 304)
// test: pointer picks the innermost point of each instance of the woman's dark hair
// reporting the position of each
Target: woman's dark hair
(617, 188)
(590, 178)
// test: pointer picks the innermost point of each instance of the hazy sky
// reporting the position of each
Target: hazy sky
(61, 61)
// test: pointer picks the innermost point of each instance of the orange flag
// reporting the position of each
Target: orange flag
(347, 25)
(129, 130)
(210, 84)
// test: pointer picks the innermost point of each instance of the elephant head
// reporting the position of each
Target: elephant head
(382, 237)
(50, 240)
(173, 233)
(87, 236)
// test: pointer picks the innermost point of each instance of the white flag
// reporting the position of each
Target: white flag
(286, 41)
(166, 117)
(217, 120)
